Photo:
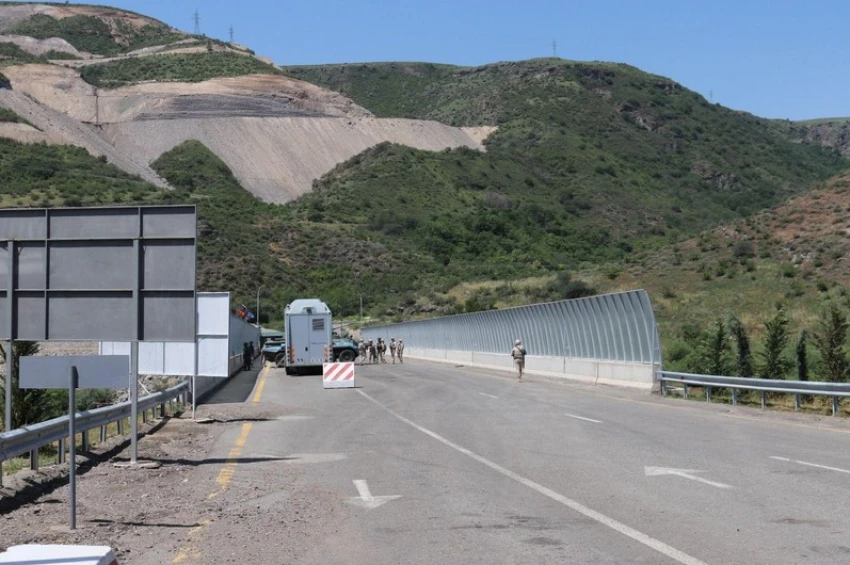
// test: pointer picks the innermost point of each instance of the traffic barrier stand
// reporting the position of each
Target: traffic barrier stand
(65, 554)
(338, 375)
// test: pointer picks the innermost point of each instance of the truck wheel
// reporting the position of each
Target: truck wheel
(279, 360)
(346, 356)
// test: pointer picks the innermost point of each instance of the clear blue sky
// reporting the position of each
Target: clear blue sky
(775, 58)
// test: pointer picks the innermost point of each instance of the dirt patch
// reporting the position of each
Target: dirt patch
(24, 133)
(150, 516)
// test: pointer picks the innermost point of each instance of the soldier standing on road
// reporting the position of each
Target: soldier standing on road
(399, 350)
(392, 348)
(363, 351)
(518, 353)
(373, 353)
(382, 349)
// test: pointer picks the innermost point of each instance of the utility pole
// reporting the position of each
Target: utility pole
(197, 22)
(231, 34)
(554, 49)
(258, 303)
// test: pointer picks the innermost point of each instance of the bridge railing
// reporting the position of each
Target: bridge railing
(835, 391)
(31, 438)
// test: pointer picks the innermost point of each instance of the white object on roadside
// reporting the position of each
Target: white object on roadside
(64, 554)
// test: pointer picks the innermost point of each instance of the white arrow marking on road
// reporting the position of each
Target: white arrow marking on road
(836, 469)
(684, 473)
(366, 500)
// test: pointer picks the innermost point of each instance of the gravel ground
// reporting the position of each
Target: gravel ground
(152, 516)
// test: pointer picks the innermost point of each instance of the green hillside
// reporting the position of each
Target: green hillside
(194, 67)
(93, 34)
(590, 162)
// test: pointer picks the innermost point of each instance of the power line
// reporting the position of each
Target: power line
(231, 34)
(197, 18)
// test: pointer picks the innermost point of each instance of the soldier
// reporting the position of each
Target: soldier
(382, 349)
(373, 352)
(363, 350)
(393, 346)
(399, 350)
(246, 357)
(518, 354)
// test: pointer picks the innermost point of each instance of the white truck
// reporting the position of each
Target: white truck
(308, 325)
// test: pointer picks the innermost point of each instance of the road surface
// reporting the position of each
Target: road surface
(427, 463)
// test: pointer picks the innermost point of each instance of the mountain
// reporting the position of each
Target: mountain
(419, 187)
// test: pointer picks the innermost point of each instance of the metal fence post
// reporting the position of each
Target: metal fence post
(685, 390)
(85, 442)
(763, 399)
(734, 397)
(708, 394)
(34, 459)
(121, 427)
(102, 434)
(835, 406)
(144, 416)
(60, 456)
(796, 402)
(162, 411)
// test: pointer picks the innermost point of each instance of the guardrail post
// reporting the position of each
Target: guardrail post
(60, 456)
(796, 402)
(121, 427)
(34, 459)
(102, 434)
(763, 399)
(708, 394)
(835, 406)
(144, 416)
(663, 387)
(685, 391)
(162, 411)
(734, 397)
(85, 442)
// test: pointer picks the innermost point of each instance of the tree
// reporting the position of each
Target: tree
(744, 361)
(29, 406)
(568, 288)
(830, 339)
(775, 364)
(802, 362)
(717, 350)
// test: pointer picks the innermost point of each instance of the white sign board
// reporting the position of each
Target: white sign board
(178, 358)
(94, 371)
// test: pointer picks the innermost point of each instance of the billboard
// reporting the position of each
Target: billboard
(85, 274)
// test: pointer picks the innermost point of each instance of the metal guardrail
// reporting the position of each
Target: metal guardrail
(836, 391)
(30, 438)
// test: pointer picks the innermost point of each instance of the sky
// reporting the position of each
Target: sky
(774, 58)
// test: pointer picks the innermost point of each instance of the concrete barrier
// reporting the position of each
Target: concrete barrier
(592, 371)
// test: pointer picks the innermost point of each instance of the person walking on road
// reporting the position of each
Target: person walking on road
(393, 346)
(382, 350)
(518, 353)
(373, 353)
(399, 350)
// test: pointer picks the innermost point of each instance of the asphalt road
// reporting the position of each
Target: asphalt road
(487, 470)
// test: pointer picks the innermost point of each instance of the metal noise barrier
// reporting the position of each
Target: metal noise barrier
(617, 327)
(23, 440)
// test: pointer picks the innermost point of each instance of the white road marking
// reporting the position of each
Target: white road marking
(294, 418)
(487, 395)
(583, 418)
(828, 468)
(611, 523)
(366, 500)
(684, 473)
(312, 458)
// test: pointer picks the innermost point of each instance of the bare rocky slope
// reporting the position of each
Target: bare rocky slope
(276, 133)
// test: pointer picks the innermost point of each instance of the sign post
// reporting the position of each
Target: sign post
(73, 372)
(72, 433)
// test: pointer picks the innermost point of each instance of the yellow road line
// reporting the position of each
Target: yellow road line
(191, 553)
(225, 476)
(261, 385)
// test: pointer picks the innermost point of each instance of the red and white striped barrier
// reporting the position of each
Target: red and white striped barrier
(338, 375)
(65, 554)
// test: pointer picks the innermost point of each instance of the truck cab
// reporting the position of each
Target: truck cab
(308, 328)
